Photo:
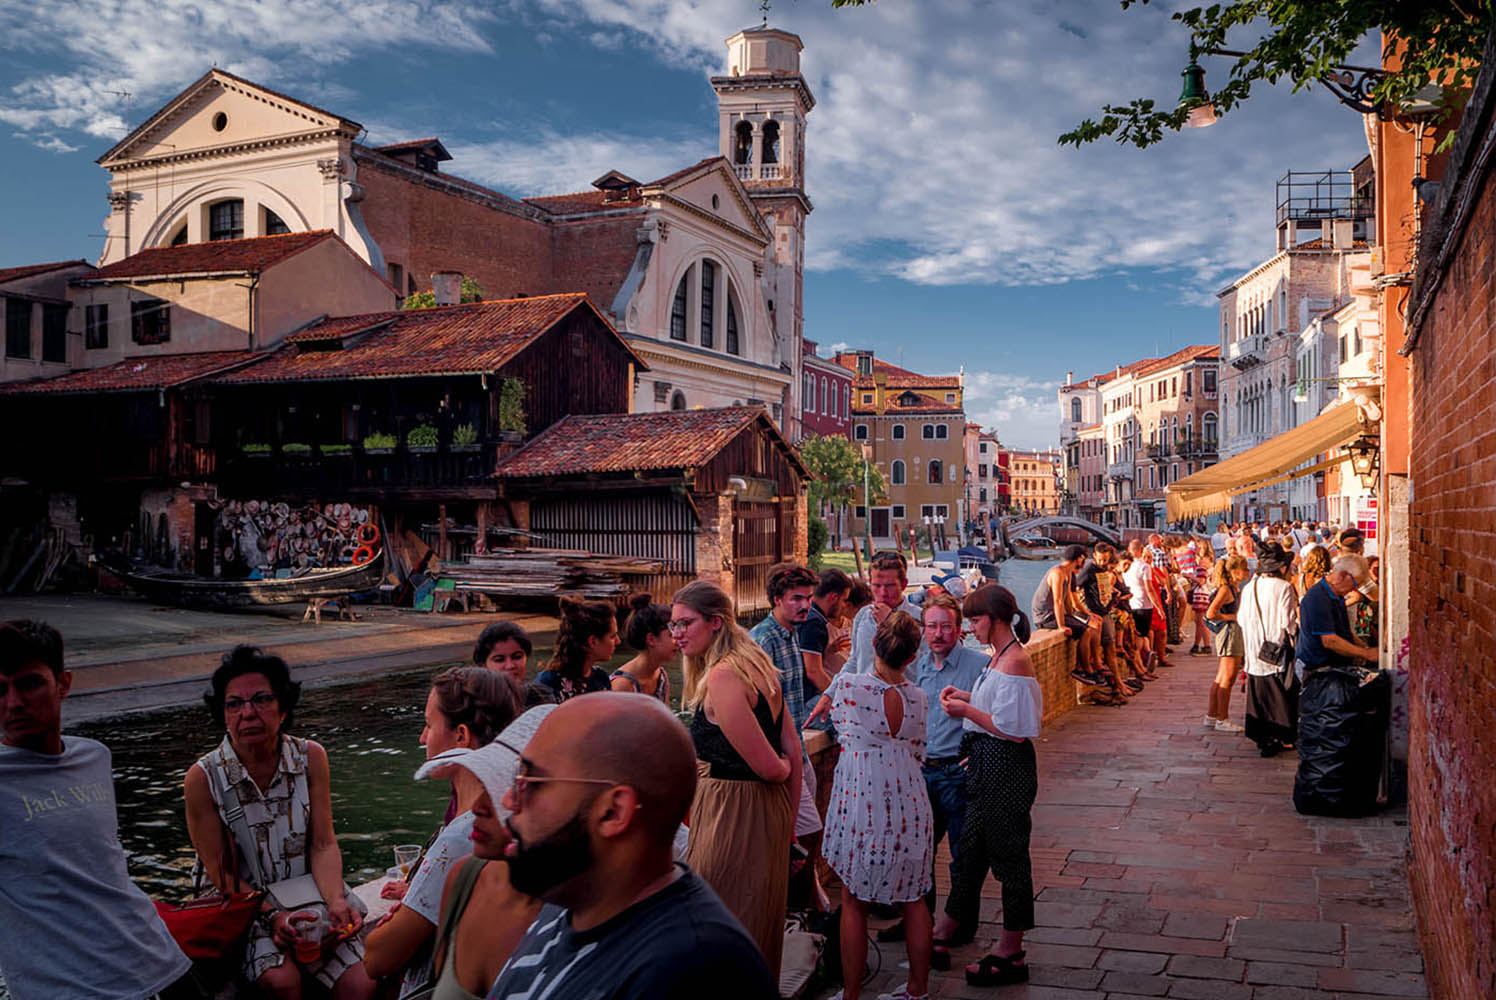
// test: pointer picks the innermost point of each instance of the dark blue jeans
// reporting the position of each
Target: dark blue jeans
(946, 786)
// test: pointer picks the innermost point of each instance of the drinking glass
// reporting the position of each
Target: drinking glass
(310, 927)
(406, 856)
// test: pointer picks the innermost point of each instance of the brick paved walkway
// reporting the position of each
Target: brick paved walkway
(1169, 862)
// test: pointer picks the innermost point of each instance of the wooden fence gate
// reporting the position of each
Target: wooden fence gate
(651, 526)
(758, 543)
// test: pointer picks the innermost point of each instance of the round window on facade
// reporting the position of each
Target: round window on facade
(220, 122)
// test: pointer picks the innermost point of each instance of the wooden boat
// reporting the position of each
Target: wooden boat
(187, 591)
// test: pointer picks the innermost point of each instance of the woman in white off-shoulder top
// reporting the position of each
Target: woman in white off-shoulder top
(1001, 717)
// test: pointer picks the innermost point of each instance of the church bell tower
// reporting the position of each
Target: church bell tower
(762, 103)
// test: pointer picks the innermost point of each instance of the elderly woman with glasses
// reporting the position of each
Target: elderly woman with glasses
(259, 811)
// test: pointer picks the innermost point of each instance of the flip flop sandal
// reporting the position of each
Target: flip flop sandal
(998, 970)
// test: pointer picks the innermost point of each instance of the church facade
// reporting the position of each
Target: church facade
(701, 271)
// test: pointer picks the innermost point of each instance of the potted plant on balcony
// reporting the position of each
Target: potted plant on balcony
(255, 450)
(338, 450)
(379, 444)
(296, 449)
(465, 438)
(512, 411)
(421, 440)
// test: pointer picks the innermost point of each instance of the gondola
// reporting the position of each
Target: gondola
(184, 590)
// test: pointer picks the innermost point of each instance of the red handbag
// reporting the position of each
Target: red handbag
(211, 925)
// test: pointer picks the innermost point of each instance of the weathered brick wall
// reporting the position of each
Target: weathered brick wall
(1053, 659)
(1452, 602)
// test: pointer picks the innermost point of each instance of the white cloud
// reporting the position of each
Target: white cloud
(837, 348)
(554, 164)
(148, 49)
(1021, 410)
(50, 143)
(932, 153)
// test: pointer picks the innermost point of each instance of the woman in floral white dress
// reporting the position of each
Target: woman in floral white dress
(879, 828)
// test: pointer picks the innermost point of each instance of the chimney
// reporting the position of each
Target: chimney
(1070, 378)
(447, 287)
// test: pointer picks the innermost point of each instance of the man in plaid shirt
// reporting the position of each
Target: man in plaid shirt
(790, 590)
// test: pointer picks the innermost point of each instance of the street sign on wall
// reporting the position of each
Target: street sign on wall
(1364, 517)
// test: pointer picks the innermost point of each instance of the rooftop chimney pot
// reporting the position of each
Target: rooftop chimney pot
(447, 287)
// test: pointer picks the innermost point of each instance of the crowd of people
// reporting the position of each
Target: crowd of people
(593, 846)
(1244, 593)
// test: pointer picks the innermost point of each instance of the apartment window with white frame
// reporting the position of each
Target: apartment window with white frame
(896, 432)
(897, 513)
(859, 432)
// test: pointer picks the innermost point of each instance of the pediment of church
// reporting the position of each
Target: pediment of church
(223, 111)
(712, 187)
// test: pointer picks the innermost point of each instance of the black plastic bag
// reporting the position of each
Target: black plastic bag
(1342, 742)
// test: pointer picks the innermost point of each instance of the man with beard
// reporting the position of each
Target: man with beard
(790, 589)
(601, 789)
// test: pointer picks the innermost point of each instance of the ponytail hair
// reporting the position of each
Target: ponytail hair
(996, 602)
(580, 620)
(646, 620)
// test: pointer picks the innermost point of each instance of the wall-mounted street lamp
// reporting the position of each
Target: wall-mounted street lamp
(1351, 85)
(1365, 456)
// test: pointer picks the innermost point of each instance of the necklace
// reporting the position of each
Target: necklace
(998, 658)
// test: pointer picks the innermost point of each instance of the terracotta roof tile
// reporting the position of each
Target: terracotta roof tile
(582, 201)
(253, 254)
(629, 442)
(32, 270)
(1195, 352)
(477, 338)
(157, 371)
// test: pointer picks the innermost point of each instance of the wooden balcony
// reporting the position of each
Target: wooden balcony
(446, 472)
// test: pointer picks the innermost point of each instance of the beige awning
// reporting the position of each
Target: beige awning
(1211, 489)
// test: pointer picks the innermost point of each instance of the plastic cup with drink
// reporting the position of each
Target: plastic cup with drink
(406, 856)
(310, 927)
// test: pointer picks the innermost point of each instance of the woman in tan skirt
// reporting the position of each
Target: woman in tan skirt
(747, 763)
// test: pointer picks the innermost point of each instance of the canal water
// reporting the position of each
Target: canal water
(370, 729)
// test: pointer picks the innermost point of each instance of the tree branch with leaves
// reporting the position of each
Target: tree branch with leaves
(1440, 42)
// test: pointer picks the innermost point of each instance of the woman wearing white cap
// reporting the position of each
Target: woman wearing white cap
(465, 709)
(483, 917)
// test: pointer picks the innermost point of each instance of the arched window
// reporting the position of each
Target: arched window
(678, 400)
(708, 301)
(732, 327)
(771, 142)
(823, 394)
(896, 473)
(1208, 427)
(742, 147)
(896, 432)
(935, 470)
(1075, 416)
(1189, 426)
(678, 309)
(273, 224)
(226, 220)
(181, 236)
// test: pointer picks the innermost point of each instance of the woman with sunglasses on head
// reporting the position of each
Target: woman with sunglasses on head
(465, 709)
(748, 763)
(269, 793)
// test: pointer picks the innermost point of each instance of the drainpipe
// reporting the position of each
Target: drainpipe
(254, 310)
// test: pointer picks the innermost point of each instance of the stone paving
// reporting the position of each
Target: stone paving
(1169, 862)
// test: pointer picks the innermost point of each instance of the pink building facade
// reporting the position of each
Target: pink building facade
(826, 392)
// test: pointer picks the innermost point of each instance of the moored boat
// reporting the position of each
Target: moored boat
(188, 591)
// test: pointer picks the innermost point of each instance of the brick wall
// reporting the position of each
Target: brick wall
(1451, 646)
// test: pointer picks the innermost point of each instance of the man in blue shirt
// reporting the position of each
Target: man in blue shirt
(944, 662)
(1325, 638)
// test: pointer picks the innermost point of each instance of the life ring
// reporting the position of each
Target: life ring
(368, 533)
(362, 554)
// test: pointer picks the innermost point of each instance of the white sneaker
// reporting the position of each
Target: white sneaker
(1208, 723)
(1227, 726)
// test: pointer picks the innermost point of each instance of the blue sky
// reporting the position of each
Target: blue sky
(950, 229)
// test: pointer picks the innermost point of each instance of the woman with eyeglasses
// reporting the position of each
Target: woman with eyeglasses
(269, 794)
(747, 764)
(465, 709)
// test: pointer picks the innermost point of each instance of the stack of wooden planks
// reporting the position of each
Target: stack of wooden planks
(548, 573)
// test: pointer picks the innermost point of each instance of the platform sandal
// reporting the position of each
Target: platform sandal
(998, 970)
